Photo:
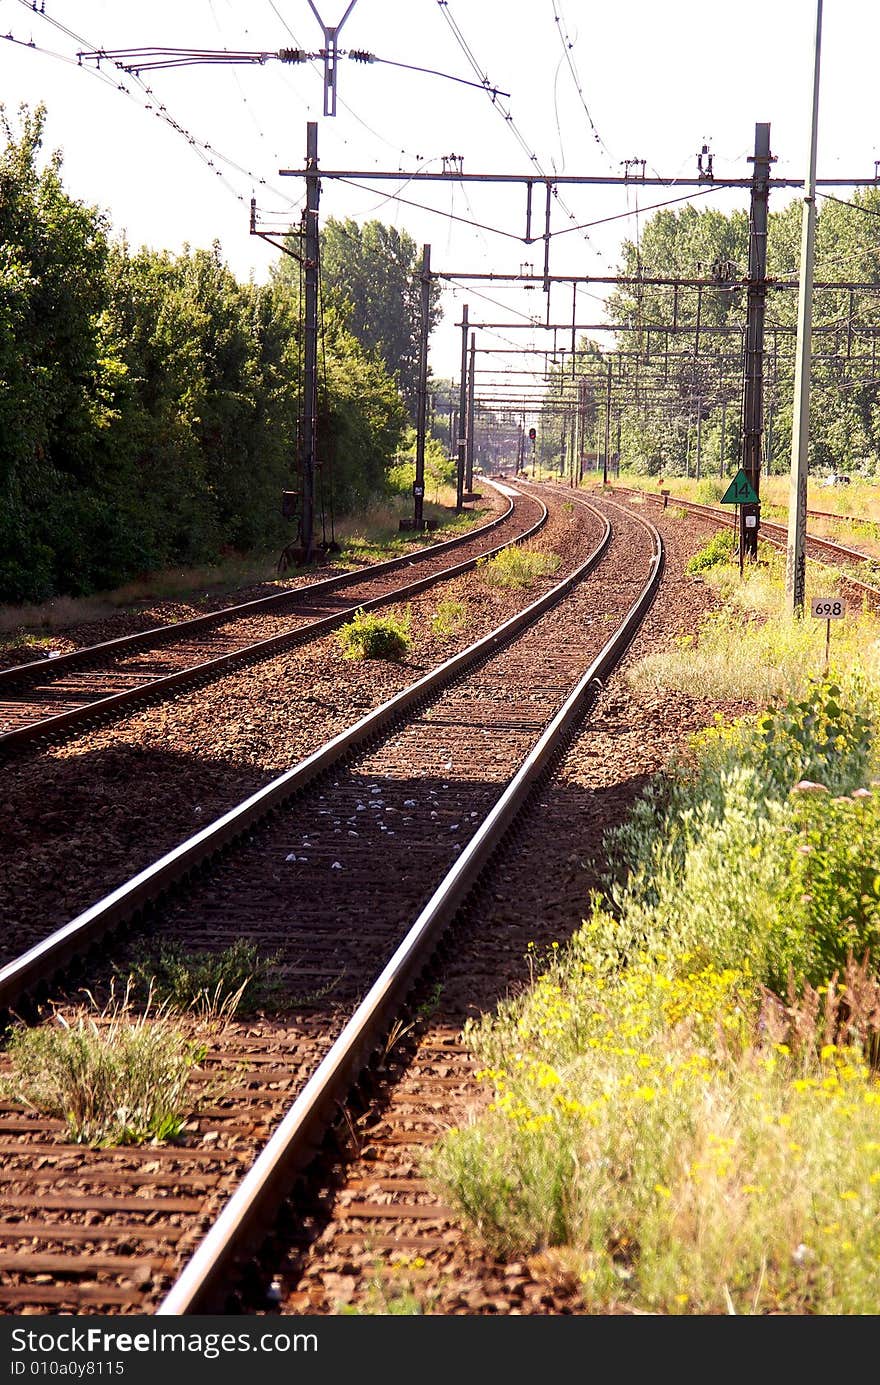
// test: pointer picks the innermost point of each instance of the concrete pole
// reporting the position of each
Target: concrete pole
(795, 555)
(462, 410)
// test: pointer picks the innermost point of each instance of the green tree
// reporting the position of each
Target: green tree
(56, 377)
(372, 274)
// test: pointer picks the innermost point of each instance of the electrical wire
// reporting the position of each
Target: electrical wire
(567, 47)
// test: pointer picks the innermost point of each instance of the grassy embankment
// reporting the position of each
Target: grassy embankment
(685, 1112)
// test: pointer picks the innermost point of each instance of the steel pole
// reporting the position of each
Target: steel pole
(607, 425)
(310, 347)
(795, 554)
(472, 385)
(421, 410)
(753, 364)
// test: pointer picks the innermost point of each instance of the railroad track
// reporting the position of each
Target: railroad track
(325, 869)
(49, 699)
(819, 549)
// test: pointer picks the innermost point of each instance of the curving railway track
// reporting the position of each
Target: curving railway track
(48, 699)
(346, 870)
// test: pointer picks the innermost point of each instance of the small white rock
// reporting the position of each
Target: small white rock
(336, 865)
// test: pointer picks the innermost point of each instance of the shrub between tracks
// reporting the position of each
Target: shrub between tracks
(368, 636)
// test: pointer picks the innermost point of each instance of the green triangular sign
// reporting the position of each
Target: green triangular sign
(740, 491)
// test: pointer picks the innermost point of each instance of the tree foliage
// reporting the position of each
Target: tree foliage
(372, 274)
(149, 402)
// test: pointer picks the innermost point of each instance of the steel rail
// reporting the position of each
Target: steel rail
(245, 1216)
(158, 634)
(47, 727)
(41, 963)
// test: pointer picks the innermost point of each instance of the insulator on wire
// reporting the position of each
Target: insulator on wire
(360, 55)
(292, 55)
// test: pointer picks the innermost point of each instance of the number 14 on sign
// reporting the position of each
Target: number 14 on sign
(827, 608)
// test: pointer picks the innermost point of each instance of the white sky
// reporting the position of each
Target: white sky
(658, 80)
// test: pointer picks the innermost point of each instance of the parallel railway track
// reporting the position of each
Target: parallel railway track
(48, 699)
(820, 549)
(346, 851)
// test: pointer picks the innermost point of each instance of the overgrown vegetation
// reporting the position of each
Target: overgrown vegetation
(684, 1102)
(370, 636)
(517, 568)
(685, 1112)
(719, 549)
(749, 649)
(114, 1078)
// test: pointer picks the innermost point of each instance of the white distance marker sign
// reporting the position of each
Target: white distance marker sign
(828, 607)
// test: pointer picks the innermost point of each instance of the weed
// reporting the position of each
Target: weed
(115, 1078)
(391, 1291)
(368, 636)
(212, 984)
(719, 549)
(517, 567)
(448, 617)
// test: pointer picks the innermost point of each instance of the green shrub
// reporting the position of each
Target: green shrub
(368, 636)
(115, 1079)
(832, 903)
(719, 549)
(517, 567)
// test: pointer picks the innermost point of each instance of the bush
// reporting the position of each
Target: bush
(368, 636)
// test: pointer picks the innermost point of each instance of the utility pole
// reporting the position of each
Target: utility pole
(310, 347)
(472, 388)
(753, 365)
(795, 555)
(721, 458)
(699, 431)
(607, 424)
(421, 409)
(462, 410)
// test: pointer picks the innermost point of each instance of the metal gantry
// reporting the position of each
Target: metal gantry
(755, 284)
